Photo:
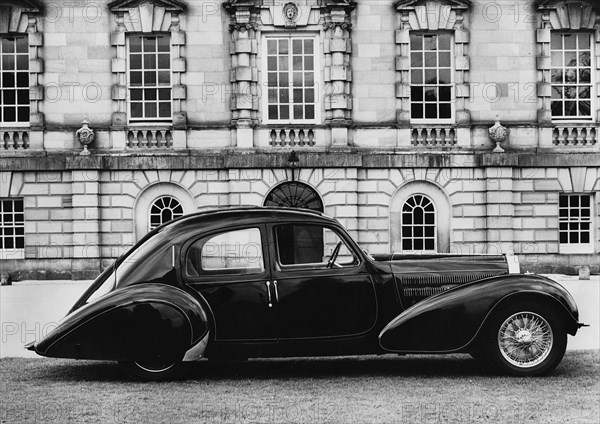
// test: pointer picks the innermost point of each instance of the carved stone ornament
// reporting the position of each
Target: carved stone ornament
(499, 135)
(85, 135)
(291, 13)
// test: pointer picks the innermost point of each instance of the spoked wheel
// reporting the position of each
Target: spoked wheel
(526, 340)
(154, 370)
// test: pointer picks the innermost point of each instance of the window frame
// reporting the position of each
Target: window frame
(593, 75)
(152, 203)
(412, 238)
(155, 121)
(313, 266)
(224, 276)
(318, 78)
(570, 248)
(15, 54)
(451, 84)
(14, 252)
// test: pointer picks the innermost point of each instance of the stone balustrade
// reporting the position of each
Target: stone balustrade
(570, 135)
(433, 136)
(292, 138)
(14, 140)
(148, 139)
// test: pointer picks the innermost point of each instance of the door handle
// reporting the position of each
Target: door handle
(268, 283)
(276, 291)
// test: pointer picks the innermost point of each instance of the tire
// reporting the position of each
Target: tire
(526, 339)
(154, 370)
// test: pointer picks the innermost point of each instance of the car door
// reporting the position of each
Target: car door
(230, 269)
(311, 299)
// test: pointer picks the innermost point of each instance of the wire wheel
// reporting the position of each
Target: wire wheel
(525, 339)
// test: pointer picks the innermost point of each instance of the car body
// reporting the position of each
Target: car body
(277, 282)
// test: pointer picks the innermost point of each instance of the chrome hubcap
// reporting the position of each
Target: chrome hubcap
(525, 339)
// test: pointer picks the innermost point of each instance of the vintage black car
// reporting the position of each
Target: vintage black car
(273, 282)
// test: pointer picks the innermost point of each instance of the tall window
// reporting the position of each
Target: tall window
(575, 223)
(290, 79)
(163, 210)
(571, 70)
(12, 229)
(418, 224)
(14, 80)
(149, 80)
(431, 76)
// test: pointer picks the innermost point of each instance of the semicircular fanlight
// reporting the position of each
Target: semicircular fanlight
(163, 210)
(294, 195)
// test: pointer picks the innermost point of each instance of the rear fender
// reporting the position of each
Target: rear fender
(144, 321)
(450, 321)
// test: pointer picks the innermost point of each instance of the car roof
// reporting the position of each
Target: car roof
(224, 217)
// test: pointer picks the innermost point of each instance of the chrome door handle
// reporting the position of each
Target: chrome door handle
(276, 291)
(268, 283)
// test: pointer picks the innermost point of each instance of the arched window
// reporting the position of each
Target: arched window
(164, 209)
(294, 195)
(419, 224)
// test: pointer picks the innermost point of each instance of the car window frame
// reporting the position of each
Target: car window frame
(278, 267)
(215, 277)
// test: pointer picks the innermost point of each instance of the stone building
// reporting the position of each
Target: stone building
(375, 111)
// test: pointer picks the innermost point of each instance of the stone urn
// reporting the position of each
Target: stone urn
(499, 135)
(85, 135)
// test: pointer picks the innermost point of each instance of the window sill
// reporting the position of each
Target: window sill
(584, 249)
(6, 254)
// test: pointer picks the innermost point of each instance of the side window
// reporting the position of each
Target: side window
(232, 252)
(311, 246)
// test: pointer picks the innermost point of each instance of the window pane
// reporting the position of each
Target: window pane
(22, 62)
(22, 79)
(164, 109)
(164, 77)
(416, 42)
(150, 94)
(232, 252)
(135, 61)
(163, 44)
(164, 94)
(416, 76)
(164, 61)
(150, 110)
(149, 44)
(135, 78)
(150, 78)
(569, 41)
(297, 47)
(8, 45)
(135, 44)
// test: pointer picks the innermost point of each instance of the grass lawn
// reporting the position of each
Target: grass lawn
(409, 389)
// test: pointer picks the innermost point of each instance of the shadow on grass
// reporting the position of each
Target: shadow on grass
(268, 369)
(422, 366)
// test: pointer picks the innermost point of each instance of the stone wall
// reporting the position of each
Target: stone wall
(78, 220)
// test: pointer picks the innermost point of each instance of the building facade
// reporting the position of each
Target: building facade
(118, 116)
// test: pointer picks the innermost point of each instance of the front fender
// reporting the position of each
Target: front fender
(145, 321)
(450, 321)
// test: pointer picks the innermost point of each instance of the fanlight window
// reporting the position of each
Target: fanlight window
(419, 231)
(163, 210)
(295, 195)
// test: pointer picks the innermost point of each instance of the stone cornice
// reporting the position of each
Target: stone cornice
(333, 158)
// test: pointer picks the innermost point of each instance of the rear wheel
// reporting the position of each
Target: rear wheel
(526, 340)
(155, 370)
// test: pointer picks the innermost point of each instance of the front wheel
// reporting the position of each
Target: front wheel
(153, 370)
(526, 340)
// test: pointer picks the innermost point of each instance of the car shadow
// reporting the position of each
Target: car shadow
(431, 366)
